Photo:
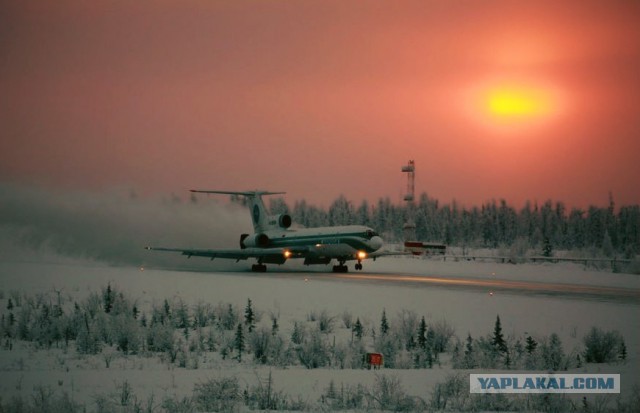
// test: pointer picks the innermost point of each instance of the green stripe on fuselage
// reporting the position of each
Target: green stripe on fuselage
(354, 239)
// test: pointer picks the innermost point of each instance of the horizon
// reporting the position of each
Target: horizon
(121, 193)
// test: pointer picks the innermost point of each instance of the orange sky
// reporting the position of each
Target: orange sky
(322, 98)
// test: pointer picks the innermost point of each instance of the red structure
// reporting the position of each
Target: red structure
(375, 360)
(425, 248)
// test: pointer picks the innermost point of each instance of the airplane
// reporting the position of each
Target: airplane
(275, 242)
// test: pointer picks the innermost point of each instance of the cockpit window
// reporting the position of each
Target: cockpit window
(370, 234)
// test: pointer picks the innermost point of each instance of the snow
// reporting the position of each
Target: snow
(294, 294)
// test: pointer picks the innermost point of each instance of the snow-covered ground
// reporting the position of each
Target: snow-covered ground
(293, 291)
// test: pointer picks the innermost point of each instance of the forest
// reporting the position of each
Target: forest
(607, 231)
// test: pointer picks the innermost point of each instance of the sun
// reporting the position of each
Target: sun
(513, 106)
(516, 103)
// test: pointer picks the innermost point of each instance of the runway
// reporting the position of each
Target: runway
(603, 293)
(526, 285)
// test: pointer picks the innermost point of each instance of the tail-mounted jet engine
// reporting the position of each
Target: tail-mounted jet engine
(257, 240)
(284, 220)
(242, 238)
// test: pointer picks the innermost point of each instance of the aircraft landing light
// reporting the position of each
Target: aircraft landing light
(362, 255)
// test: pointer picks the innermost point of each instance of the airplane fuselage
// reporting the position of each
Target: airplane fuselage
(339, 241)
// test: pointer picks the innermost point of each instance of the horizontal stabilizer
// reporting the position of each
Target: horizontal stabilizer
(245, 193)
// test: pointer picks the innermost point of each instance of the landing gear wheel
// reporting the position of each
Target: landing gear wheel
(358, 266)
(340, 268)
(259, 268)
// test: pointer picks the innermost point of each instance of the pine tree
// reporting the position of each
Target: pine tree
(357, 329)
(167, 311)
(455, 355)
(469, 361)
(623, 350)
(181, 315)
(108, 299)
(384, 325)
(422, 334)
(554, 355)
(230, 318)
(239, 341)
(274, 326)
(498, 337)
(249, 316)
(9, 304)
(547, 249)
(531, 345)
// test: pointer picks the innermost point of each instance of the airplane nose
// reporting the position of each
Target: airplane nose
(376, 243)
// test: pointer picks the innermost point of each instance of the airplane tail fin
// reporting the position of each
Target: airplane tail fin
(259, 214)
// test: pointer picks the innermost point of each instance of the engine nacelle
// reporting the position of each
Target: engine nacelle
(254, 241)
(284, 221)
(242, 238)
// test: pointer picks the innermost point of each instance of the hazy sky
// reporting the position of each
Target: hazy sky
(516, 100)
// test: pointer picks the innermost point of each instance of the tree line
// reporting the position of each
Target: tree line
(551, 225)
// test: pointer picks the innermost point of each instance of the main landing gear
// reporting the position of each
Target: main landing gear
(259, 268)
(343, 268)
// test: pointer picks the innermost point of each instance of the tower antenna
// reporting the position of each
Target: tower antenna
(409, 227)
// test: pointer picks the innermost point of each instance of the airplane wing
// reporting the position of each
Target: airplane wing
(268, 255)
(378, 254)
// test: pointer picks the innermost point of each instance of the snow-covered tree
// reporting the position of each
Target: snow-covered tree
(422, 334)
(358, 329)
(239, 344)
(498, 337)
(384, 324)
(249, 316)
